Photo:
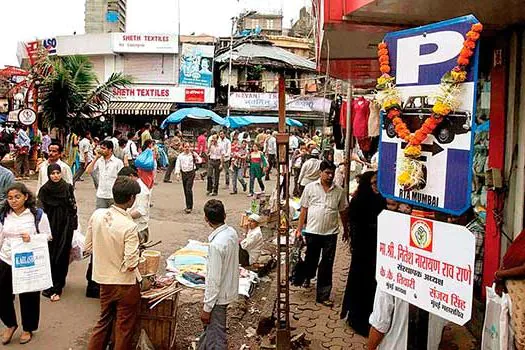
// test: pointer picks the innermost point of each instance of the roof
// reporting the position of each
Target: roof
(248, 51)
(198, 39)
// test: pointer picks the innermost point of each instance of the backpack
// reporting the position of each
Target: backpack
(38, 217)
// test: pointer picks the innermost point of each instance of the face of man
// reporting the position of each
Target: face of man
(54, 153)
(104, 151)
(327, 177)
(221, 135)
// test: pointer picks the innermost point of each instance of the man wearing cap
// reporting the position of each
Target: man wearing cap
(309, 170)
(251, 246)
(322, 201)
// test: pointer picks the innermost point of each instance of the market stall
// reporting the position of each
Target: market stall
(248, 120)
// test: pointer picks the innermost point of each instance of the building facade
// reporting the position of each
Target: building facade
(105, 16)
(265, 23)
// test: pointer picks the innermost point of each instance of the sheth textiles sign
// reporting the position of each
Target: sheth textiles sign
(164, 93)
(145, 43)
(428, 263)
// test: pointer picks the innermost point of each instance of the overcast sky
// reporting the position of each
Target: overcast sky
(30, 19)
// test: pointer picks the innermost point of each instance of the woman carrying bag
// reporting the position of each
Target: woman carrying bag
(58, 201)
(20, 219)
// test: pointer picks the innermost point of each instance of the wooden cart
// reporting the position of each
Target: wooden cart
(160, 323)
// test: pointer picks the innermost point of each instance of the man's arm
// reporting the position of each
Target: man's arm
(343, 213)
(213, 278)
(88, 242)
(92, 166)
(131, 250)
(68, 177)
(302, 219)
(142, 208)
(374, 338)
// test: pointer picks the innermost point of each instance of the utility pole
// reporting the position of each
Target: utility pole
(283, 228)
(348, 137)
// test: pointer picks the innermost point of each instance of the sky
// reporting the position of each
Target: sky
(26, 20)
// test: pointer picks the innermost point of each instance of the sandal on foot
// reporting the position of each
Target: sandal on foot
(7, 339)
(26, 337)
(55, 298)
(328, 303)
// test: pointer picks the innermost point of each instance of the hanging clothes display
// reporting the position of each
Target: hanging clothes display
(335, 117)
(374, 120)
(360, 114)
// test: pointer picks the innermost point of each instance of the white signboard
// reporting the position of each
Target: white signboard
(164, 93)
(145, 43)
(255, 101)
(27, 116)
(428, 263)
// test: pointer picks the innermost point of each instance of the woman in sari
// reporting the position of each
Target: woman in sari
(512, 277)
(363, 210)
(58, 202)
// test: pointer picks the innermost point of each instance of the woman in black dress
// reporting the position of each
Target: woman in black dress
(364, 208)
(58, 201)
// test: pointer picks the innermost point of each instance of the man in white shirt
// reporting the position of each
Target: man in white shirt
(293, 142)
(270, 148)
(131, 146)
(222, 277)
(117, 134)
(85, 155)
(140, 209)
(309, 170)
(322, 202)
(215, 165)
(186, 164)
(226, 147)
(251, 246)
(108, 167)
(55, 151)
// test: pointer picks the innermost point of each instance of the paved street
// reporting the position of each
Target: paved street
(67, 324)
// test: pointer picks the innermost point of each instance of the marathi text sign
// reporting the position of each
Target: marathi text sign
(427, 263)
(145, 43)
(419, 57)
(255, 101)
(196, 65)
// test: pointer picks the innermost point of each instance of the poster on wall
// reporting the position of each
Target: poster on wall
(196, 65)
(429, 264)
(422, 62)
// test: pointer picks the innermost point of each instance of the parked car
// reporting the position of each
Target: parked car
(417, 109)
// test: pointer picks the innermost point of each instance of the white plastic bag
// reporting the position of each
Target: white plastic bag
(31, 265)
(496, 327)
(77, 246)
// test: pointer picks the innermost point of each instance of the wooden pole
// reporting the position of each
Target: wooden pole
(348, 138)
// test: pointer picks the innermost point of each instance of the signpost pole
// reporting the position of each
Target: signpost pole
(348, 137)
(283, 228)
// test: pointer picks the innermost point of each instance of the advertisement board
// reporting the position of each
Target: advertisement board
(196, 65)
(427, 263)
(255, 101)
(419, 58)
(164, 93)
(144, 43)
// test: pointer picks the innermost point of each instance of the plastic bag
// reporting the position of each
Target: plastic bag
(145, 160)
(31, 265)
(496, 327)
(77, 247)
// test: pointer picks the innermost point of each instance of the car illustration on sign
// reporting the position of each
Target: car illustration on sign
(417, 109)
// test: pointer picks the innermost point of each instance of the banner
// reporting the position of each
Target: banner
(164, 93)
(255, 101)
(196, 65)
(145, 43)
(427, 263)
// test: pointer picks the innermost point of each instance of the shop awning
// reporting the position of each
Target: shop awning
(237, 122)
(140, 108)
(193, 113)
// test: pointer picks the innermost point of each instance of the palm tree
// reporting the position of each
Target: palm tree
(71, 89)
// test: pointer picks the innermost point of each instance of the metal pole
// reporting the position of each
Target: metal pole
(348, 137)
(283, 292)
(230, 65)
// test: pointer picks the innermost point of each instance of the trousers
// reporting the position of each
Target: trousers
(188, 177)
(214, 172)
(237, 175)
(214, 336)
(315, 244)
(171, 167)
(252, 182)
(29, 303)
(118, 304)
(22, 164)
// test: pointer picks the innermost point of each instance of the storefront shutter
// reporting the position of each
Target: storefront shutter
(98, 67)
(148, 68)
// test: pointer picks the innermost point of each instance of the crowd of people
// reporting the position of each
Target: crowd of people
(123, 192)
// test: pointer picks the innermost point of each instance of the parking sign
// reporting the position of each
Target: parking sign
(419, 58)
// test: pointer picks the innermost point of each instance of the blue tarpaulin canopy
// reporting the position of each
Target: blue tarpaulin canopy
(238, 122)
(195, 114)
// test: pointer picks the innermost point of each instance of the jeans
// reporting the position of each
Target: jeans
(252, 182)
(214, 173)
(315, 244)
(29, 302)
(22, 164)
(215, 336)
(118, 304)
(237, 175)
(272, 163)
(227, 172)
(187, 184)
(171, 167)
(296, 190)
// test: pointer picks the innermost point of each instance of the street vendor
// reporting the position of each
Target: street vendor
(252, 244)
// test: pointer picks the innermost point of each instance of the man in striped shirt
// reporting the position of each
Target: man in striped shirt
(322, 202)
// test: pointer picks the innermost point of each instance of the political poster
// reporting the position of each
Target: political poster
(196, 65)
(427, 263)
(419, 58)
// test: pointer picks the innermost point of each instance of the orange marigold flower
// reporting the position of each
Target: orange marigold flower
(473, 35)
(396, 121)
(466, 52)
(462, 61)
(427, 129)
(470, 44)
(382, 45)
(382, 52)
(384, 59)
(478, 27)
(385, 68)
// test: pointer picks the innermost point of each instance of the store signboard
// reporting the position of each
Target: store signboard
(164, 93)
(32, 47)
(419, 57)
(255, 101)
(196, 65)
(145, 43)
(427, 263)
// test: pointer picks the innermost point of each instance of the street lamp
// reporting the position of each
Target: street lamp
(235, 21)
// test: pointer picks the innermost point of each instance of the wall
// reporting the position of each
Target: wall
(88, 44)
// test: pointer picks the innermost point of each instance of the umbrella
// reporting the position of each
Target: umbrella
(194, 113)
(237, 122)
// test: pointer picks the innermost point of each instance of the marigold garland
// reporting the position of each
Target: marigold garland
(412, 174)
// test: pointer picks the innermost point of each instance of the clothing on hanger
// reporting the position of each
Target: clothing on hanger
(374, 120)
(360, 114)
